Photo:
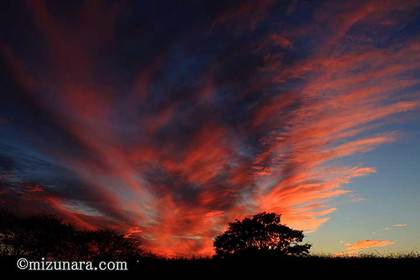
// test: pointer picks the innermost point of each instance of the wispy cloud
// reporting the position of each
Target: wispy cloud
(399, 226)
(168, 135)
(360, 245)
(396, 226)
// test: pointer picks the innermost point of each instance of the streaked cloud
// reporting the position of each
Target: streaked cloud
(396, 226)
(360, 245)
(399, 225)
(168, 135)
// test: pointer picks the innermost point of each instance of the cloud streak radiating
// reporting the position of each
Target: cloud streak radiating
(166, 122)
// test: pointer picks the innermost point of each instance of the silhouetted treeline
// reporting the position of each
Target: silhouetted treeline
(47, 236)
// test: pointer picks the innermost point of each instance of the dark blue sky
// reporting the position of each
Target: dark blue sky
(166, 119)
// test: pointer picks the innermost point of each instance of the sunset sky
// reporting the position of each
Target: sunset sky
(166, 120)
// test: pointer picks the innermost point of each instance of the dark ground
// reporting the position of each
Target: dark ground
(36, 237)
(274, 268)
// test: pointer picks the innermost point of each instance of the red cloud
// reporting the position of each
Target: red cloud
(179, 168)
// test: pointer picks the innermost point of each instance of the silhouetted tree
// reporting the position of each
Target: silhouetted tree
(46, 236)
(261, 234)
(106, 244)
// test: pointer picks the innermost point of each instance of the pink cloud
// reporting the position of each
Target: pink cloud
(360, 245)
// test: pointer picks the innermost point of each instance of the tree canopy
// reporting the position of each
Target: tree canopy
(262, 233)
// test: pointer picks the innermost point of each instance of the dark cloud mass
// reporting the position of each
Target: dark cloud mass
(166, 120)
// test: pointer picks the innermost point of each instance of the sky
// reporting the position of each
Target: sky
(167, 120)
